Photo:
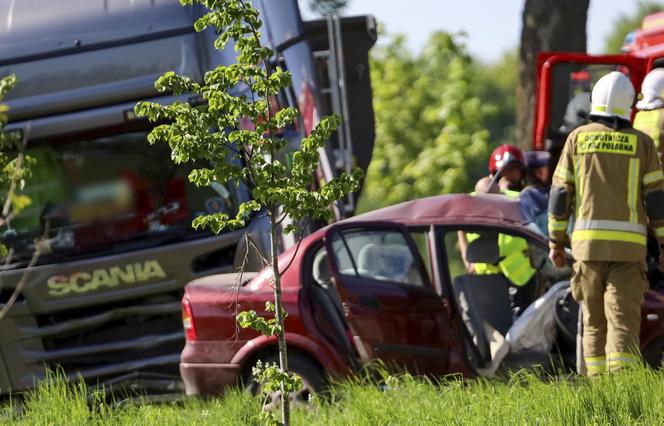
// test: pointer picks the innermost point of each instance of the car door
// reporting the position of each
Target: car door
(393, 312)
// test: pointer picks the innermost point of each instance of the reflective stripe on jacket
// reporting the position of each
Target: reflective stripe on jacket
(604, 176)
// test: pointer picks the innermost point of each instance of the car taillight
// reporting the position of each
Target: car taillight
(188, 321)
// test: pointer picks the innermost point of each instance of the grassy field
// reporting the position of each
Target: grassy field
(635, 397)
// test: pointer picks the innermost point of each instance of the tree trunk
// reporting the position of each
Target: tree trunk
(547, 25)
(281, 337)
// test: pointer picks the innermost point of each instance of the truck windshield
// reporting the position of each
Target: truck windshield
(570, 103)
(111, 192)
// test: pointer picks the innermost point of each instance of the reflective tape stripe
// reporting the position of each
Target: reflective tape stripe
(595, 365)
(564, 174)
(614, 110)
(596, 234)
(610, 225)
(614, 355)
(659, 232)
(578, 182)
(633, 188)
(557, 225)
(619, 359)
(595, 360)
(652, 177)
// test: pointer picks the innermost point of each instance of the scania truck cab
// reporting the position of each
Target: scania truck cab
(103, 301)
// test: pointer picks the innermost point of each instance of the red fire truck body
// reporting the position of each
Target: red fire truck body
(564, 80)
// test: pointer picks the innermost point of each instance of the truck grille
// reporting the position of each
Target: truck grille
(106, 341)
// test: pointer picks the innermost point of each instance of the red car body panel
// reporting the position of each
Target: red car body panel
(224, 352)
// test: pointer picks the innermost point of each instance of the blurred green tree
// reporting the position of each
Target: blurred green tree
(431, 125)
(627, 23)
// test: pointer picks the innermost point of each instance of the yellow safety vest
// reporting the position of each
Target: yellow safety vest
(513, 251)
(514, 263)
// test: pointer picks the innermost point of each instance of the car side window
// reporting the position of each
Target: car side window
(422, 243)
(377, 255)
(455, 260)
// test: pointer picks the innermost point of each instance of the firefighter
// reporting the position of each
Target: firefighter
(534, 199)
(650, 118)
(506, 171)
(506, 167)
(610, 177)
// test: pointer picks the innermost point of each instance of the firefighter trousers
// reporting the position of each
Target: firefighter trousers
(611, 294)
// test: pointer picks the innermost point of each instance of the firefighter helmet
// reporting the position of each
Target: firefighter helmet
(612, 96)
(504, 155)
(652, 90)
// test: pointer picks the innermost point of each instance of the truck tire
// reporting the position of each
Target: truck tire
(312, 374)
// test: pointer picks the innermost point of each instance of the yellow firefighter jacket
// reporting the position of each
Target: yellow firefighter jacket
(609, 179)
(652, 124)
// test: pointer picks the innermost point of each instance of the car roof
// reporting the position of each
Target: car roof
(451, 209)
(495, 209)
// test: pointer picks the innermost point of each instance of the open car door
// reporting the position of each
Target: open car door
(564, 83)
(393, 312)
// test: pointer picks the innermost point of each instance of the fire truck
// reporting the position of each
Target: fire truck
(103, 301)
(564, 81)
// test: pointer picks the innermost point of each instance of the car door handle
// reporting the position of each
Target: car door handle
(369, 302)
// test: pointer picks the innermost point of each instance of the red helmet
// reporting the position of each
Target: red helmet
(505, 154)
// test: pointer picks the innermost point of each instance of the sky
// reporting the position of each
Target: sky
(493, 26)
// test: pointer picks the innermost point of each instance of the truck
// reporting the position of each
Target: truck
(565, 79)
(103, 301)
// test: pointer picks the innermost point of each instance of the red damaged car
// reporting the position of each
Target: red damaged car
(394, 285)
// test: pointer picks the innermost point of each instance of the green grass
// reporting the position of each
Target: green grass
(635, 397)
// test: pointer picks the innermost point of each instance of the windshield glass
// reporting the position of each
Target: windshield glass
(111, 193)
(570, 103)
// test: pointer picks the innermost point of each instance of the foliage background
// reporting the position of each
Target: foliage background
(435, 117)
(440, 112)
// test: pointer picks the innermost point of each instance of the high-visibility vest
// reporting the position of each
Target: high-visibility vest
(514, 261)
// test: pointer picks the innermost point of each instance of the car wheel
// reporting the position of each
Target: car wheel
(313, 380)
(653, 354)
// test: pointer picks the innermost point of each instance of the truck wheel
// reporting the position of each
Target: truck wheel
(312, 374)
(653, 354)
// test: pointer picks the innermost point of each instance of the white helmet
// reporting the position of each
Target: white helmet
(612, 96)
(652, 89)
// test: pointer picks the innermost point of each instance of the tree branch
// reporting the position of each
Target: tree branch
(297, 248)
(39, 245)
